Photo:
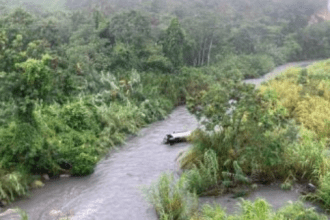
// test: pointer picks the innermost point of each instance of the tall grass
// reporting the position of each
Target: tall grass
(260, 210)
(12, 185)
(171, 199)
(204, 176)
(171, 202)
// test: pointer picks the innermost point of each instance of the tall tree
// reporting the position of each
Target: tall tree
(174, 42)
(32, 83)
(130, 28)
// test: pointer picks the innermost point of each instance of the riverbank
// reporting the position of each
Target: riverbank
(278, 70)
(257, 143)
(117, 177)
(114, 188)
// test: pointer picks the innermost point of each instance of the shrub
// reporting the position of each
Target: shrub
(287, 92)
(206, 175)
(21, 143)
(249, 66)
(313, 112)
(155, 109)
(306, 156)
(297, 211)
(79, 116)
(214, 213)
(260, 210)
(304, 92)
(171, 200)
(83, 164)
(257, 210)
(12, 185)
(323, 193)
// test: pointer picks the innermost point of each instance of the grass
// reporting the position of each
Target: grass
(171, 199)
(200, 178)
(12, 185)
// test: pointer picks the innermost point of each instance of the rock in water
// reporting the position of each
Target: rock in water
(11, 214)
(65, 175)
(311, 188)
(37, 184)
(45, 177)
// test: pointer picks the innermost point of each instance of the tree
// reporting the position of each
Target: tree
(173, 43)
(131, 28)
(33, 83)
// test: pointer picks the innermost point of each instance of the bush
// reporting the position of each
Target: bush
(155, 109)
(297, 211)
(12, 185)
(304, 92)
(258, 65)
(80, 116)
(22, 144)
(259, 210)
(200, 179)
(83, 164)
(323, 193)
(171, 200)
(249, 66)
(305, 157)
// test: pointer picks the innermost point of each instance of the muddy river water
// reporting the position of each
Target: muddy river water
(113, 191)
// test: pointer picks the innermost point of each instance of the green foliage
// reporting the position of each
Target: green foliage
(323, 193)
(23, 214)
(258, 210)
(36, 75)
(171, 200)
(259, 65)
(261, 210)
(173, 43)
(91, 63)
(304, 94)
(297, 211)
(33, 85)
(200, 179)
(249, 66)
(306, 157)
(12, 185)
(80, 116)
(254, 137)
(71, 140)
(124, 57)
(155, 60)
(215, 213)
(313, 42)
(287, 185)
(83, 164)
(131, 27)
(22, 144)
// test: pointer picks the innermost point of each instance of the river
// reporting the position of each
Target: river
(113, 191)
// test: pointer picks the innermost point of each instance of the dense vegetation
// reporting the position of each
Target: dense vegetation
(249, 136)
(278, 132)
(76, 81)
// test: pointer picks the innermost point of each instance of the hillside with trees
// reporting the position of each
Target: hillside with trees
(76, 77)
